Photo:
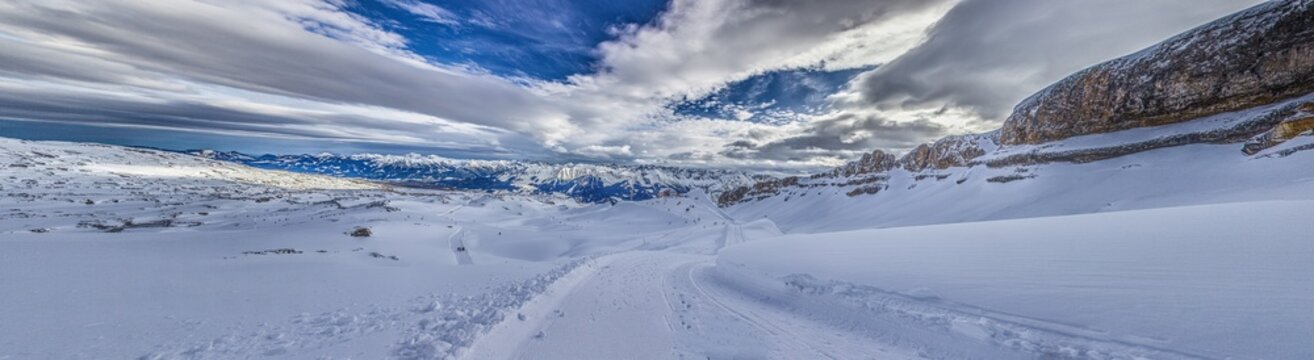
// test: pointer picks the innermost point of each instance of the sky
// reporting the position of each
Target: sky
(778, 85)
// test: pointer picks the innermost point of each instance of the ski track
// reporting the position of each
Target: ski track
(665, 304)
(457, 243)
(662, 305)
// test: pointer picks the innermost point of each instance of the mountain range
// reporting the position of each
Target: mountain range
(592, 183)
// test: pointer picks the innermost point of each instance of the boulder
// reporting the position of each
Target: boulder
(360, 232)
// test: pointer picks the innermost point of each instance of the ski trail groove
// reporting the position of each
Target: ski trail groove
(457, 243)
(757, 322)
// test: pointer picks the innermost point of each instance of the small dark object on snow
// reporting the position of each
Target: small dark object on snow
(361, 232)
(283, 251)
(460, 248)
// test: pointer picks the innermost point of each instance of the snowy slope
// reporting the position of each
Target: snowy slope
(1208, 281)
(114, 252)
(1182, 175)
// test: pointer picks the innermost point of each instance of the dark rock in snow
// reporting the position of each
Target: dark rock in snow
(360, 232)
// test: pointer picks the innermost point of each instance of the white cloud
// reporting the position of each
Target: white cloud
(428, 12)
(311, 69)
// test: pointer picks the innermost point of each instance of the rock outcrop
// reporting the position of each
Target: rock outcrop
(1300, 123)
(950, 151)
(760, 190)
(1258, 56)
(873, 162)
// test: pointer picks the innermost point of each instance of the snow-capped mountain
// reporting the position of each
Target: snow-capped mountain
(584, 182)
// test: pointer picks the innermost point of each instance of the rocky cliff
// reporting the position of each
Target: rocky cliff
(1246, 78)
(1254, 57)
(951, 151)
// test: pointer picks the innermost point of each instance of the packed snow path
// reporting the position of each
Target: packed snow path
(663, 305)
(457, 242)
(667, 304)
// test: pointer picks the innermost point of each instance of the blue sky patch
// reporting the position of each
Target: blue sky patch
(544, 39)
(772, 97)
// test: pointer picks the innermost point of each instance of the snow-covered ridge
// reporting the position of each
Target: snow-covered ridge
(585, 182)
(20, 155)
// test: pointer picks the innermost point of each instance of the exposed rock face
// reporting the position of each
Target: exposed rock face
(1252, 128)
(868, 175)
(1254, 57)
(874, 162)
(948, 152)
(762, 189)
(360, 232)
(1300, 123)
(1263, 56)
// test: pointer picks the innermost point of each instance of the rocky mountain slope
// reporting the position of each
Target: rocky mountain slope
(1245, 79)
(584, 182)
(1251, 58)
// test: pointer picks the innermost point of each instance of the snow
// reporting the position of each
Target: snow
(215, 282)
(1131, 137)
(1206, 281)
(1185, 252)
(1177, 176)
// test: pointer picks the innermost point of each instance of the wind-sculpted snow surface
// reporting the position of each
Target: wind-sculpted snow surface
(1210, 281)
(584, 182)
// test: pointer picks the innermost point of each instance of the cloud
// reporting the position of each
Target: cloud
(839, 137)
(224, 113)
(428, 12)
(698, 46)
(304, 50)
(315, 69)
(987, 55)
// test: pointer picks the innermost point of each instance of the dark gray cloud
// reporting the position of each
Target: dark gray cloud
(94, 109)
(986, 55)
(839, 137)
(141, 43)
